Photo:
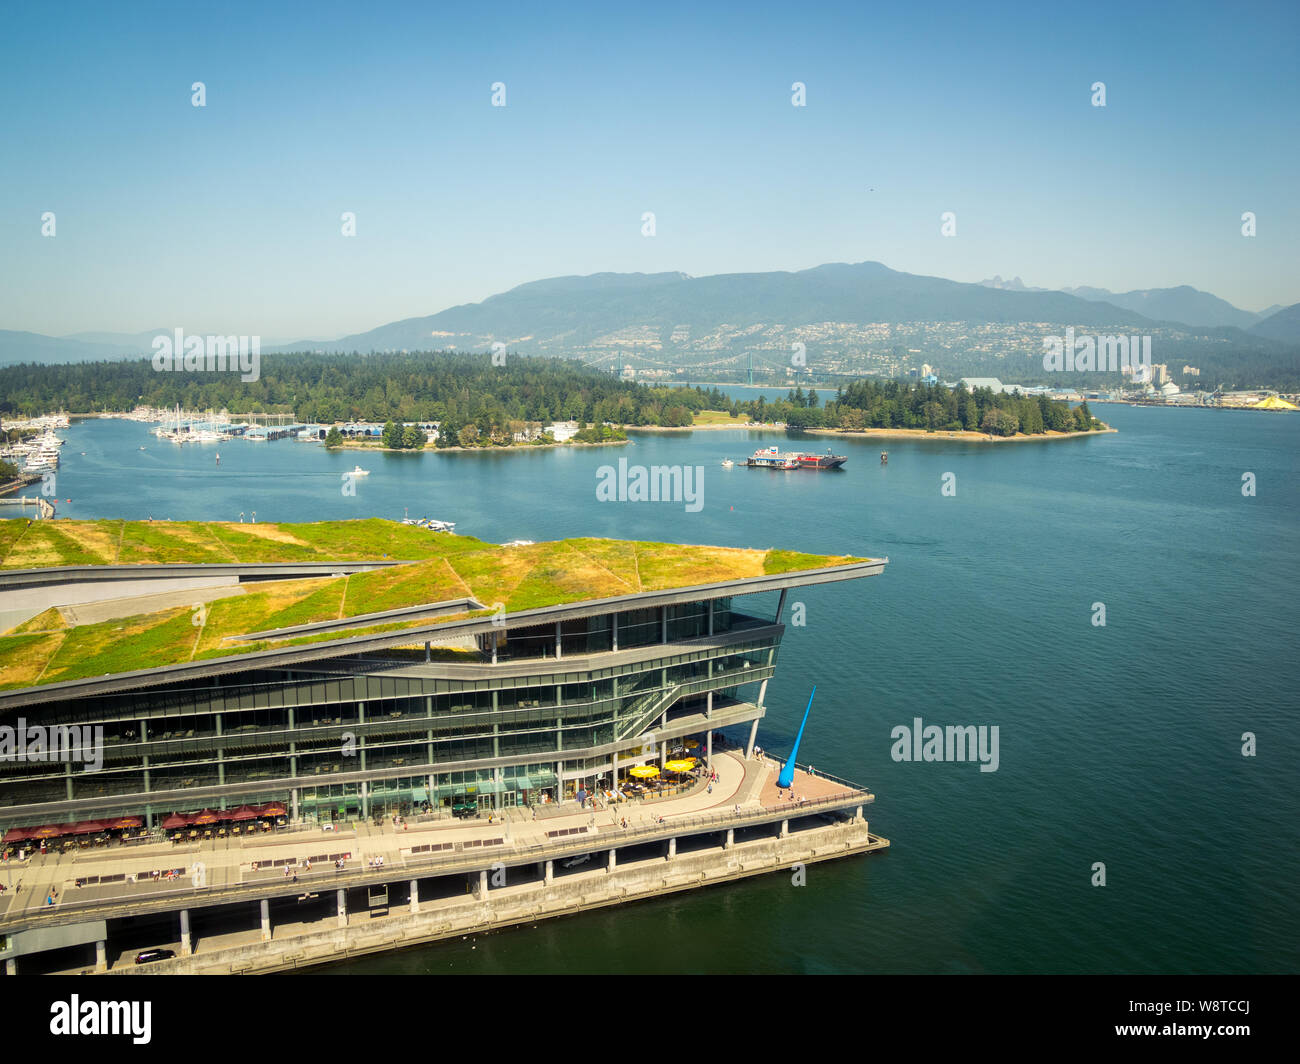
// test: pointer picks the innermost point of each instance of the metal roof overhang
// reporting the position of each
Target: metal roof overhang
(289, 656)
(16, 579)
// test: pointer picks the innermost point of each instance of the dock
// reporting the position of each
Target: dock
(43, 507)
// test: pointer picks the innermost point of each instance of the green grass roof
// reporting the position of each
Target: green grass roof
(46, 649)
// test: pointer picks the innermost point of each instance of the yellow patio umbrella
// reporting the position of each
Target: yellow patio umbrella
(682, 765)
(643, 772)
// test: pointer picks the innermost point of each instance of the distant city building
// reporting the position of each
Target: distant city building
(1191, 371)
(1169, 388)
(929, 377)
(1160, 373)
(992, 383)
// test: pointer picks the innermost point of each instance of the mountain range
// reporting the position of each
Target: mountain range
(692, 316)
(1183, 304)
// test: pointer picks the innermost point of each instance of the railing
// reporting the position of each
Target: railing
(459, 860)
(817, 773)
(643, 715)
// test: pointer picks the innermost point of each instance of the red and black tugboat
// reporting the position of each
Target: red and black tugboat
(772, 458)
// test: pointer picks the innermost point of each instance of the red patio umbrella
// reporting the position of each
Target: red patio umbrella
(272, 809)
(15, 835)
(176, 820)
(244, 812)
(124, 822)
(47, 831)
(85, 827)
(207, 816)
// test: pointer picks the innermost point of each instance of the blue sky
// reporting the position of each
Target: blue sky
(227, 217)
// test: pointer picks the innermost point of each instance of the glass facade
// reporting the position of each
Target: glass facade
(391, 733)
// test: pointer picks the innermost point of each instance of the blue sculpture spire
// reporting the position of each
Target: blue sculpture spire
(786, 778)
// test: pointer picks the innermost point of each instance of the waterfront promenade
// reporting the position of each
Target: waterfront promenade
(563, 840)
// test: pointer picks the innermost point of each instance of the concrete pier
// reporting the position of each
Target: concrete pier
(444, 865)
(575, 892)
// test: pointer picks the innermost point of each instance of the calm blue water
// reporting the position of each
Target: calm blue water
(1119, 744)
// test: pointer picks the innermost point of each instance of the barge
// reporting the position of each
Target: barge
(772, 458)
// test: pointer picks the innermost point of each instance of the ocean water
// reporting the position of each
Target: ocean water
(1119, 744)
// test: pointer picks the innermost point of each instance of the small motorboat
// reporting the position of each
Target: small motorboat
(357, 471)
(884, 457)
(727, 463)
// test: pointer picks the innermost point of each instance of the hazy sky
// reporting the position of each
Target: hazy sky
(226, 218)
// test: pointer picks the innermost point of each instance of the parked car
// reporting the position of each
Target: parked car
(145, 956)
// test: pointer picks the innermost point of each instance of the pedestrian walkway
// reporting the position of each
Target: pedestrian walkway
(166, 869)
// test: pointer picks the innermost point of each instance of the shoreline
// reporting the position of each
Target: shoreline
(963, 436)
(689, 428)
(430, 449)
(888, 434)
(871, 433)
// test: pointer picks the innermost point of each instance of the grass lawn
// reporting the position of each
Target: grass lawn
(444, 567)
(720, 417)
